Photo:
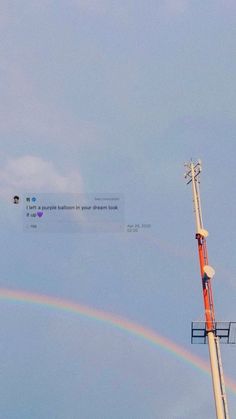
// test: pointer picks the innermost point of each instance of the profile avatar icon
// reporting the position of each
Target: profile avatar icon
(16, 199)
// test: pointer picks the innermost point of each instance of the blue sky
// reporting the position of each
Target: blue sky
(105, 96)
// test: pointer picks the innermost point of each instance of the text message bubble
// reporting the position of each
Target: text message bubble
(73, 213)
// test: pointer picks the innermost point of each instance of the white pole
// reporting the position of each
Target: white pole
(199, 204)
(225, 403)
(215, 376)
(195, 200)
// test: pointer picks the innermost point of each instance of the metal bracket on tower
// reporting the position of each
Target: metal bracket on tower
(192, 175)
(225, 331)
(197, 168)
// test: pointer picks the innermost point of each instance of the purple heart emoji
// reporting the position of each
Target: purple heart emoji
(40, 214)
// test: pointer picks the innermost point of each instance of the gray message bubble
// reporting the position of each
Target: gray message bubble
(73, 213)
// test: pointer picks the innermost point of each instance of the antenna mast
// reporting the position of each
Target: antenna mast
(209, 331)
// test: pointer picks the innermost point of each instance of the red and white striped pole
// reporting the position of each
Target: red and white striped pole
(207, 272)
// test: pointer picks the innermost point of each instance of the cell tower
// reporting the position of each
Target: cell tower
(209, 331)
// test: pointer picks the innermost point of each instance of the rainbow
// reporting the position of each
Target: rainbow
(118, 322)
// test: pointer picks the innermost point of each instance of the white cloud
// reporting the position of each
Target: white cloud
(26, 110)
(97, 6)
(31, 173)
(176, 6)
(114, 10)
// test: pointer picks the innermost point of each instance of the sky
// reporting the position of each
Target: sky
(100, 96)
